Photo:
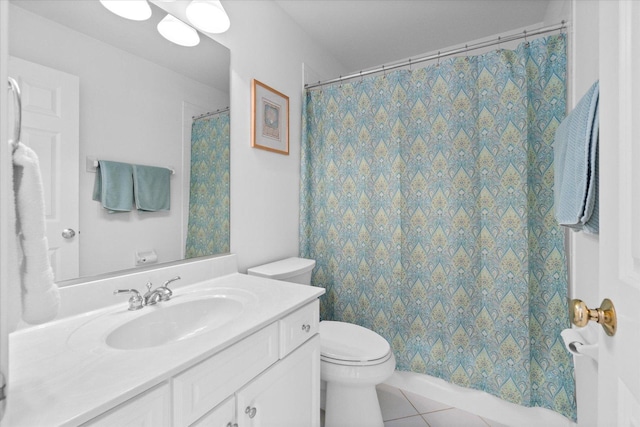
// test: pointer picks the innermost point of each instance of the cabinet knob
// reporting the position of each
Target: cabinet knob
(250, 411)
(229, 424)
(306, 328)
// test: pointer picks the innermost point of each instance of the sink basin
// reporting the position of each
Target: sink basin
(185, 316)
(165, 324)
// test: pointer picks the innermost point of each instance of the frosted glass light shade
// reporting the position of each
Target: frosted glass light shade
(178, 32)
(208, 16)
(136, 10)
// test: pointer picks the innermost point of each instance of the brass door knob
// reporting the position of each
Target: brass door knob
(580, 315)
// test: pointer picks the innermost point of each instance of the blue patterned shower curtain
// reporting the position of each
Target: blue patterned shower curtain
(208, 229)
(426, 199)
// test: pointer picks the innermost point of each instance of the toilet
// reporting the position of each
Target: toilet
(353, 359)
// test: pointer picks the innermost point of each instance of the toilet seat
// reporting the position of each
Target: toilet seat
(348, 344)
(355, 363)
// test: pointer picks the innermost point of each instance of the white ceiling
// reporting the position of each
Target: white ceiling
(360, 34)
(208, 62)
(364, 34)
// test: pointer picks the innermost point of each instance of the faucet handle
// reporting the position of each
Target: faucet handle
(165, 292)
(166, 284)
(136, 302)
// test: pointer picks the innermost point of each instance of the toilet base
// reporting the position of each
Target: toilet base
(352, 406)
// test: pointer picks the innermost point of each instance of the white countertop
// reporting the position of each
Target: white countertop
(57, 379)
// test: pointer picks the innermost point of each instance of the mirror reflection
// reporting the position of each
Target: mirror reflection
(99, 87)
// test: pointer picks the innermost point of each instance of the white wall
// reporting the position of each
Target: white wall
(268, 46)
(131, 110)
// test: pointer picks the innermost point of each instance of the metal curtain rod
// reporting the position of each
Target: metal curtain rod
(210, 113)
(439, 55)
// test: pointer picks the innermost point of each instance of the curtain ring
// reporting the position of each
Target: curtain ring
(526, 42)
(384, 72)
(438, 63)
(410, 70)
(499, 43)
(340, 81)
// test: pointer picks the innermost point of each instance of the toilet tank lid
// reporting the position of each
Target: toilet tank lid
(283, 269)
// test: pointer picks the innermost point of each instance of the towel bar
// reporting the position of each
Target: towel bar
(94, 164)
(17, 122)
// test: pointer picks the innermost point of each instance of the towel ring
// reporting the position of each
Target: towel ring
(17, 122)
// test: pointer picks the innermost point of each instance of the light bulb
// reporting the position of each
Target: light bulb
(178, 32)
(208, 15)
(136, 10)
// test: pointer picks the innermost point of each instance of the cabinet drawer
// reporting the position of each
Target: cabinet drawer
(199, 389)
(151, 408)
(298, 327)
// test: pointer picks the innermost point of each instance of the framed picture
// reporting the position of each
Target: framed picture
(269, 119)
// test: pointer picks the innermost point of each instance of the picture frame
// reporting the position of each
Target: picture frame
(269, 119)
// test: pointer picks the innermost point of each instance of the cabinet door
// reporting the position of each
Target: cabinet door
(286, 395)
(150, 409)
(222, 416)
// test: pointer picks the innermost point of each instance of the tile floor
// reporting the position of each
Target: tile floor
(404, 409)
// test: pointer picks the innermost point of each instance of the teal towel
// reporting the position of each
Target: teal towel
(151, 186)
(576, 166)
(114, 186)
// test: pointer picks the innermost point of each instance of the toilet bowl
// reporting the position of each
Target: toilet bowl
(353, 359)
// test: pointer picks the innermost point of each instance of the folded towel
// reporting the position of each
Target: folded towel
(576, 166)
(113, 186)
(151, 186)
(40, 296)
(14, 260)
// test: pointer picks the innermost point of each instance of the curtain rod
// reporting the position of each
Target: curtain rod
(439, 55)
(210, 113)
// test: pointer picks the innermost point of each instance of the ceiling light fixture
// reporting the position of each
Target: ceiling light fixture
(178, 32)
(208, 15)
(136, 10)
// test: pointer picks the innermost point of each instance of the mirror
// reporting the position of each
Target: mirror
(137, 96)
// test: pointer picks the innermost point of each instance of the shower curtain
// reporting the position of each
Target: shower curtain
(208, 229)
(426, 200)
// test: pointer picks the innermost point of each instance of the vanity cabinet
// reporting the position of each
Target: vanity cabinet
(270, 378)
(286, 395)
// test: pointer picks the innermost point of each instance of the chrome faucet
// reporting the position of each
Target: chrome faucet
(137, 301)
(152, 297)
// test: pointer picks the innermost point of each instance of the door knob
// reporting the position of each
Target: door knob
(68, 233)
(605, 315)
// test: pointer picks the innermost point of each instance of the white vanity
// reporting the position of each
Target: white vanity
(256, 364)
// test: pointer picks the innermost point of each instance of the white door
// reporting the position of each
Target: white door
(50, 126)
(619, 357)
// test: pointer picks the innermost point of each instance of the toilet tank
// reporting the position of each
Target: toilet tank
(296, 270)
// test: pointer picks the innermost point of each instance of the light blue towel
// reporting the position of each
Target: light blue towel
(114, 186)
(151, 186)
(576, 166)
